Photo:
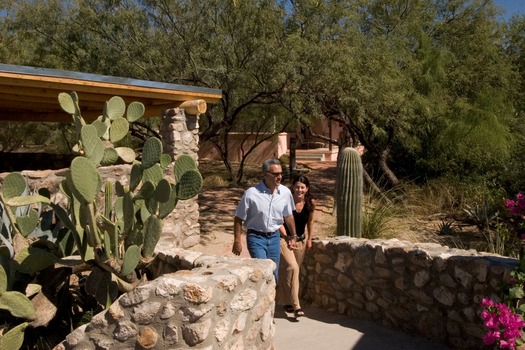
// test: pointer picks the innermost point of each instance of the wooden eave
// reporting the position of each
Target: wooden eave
(31, 94)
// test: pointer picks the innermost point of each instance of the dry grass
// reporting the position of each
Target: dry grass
(215, 174)
(215, 181)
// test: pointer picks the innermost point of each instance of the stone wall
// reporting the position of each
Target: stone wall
(206, 302)
(424, 289)
(195, 301)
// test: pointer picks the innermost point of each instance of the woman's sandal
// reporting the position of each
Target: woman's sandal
(288, 308)
(298, 313)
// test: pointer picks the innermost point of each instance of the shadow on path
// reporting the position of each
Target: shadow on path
(321, 329)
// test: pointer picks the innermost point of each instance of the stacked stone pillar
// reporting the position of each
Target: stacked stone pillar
(180, 135)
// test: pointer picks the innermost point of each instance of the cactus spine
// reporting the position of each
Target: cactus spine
(349, 199)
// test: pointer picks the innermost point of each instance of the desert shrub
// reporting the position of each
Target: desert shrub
(450, 195)
(379, 209)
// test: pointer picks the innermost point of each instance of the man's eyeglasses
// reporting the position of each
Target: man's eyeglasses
(275, 174)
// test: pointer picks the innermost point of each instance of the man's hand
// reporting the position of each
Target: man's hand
(237, 247)
(237, 242)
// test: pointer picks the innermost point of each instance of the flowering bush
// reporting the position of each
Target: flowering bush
(516, 206)
(504, 321)
(516, 209)
(503, 324)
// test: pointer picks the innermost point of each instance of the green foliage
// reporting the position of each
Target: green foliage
(429, 88)
(378, 213)
(500, 241)
(349, 199)
(446, 228)
(512, 292)
(482, 214)
(14, 338)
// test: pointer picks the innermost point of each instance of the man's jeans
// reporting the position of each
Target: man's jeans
(261, 247)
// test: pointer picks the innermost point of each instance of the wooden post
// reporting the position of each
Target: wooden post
(330, 134)
(194, 107)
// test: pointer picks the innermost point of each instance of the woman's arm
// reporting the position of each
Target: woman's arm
(310, 225)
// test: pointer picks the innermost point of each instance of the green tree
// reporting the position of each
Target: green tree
(238, 47)
(235, 46)
(355, 73)
(464, 80)
(420, 83)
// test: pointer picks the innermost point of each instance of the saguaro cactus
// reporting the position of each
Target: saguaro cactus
(349, 199)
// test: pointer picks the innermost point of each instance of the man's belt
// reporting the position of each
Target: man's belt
(259, 233)
(300, 238)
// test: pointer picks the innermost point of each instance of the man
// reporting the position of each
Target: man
(263, 209)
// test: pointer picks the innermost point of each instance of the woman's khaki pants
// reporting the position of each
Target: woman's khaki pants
(289, 267)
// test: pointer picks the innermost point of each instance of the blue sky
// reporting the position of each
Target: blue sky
(512, 7)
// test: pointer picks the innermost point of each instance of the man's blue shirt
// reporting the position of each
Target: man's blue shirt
(262, 211)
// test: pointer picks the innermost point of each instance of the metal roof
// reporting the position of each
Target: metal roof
(31, 94)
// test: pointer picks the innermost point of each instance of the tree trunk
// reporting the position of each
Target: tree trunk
(389, 174)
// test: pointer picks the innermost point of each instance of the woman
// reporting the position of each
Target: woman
(293, 256)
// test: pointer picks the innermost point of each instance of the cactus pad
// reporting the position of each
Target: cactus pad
(26, 224)
(101, 126)
(165, 160)
(135, 111)
(67, 103)
(183, 164)
(153, 227)
(17, 304)
(14, 185)
(151, 152)
(93, 147)
(126, 154)
(3, 280)
(85, 179)
(115, 108)
(131, 260)
(162, 191)
(153, 174)
(146, 191)
(119, 129)
(110, 157)
(166, 208)
(27, 200)
(14, 338)
(135, 176)
(189, 184)
(31, 260)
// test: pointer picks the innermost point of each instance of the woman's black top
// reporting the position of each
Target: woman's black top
(301, 219)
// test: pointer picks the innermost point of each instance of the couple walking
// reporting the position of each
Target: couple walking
(279, 226)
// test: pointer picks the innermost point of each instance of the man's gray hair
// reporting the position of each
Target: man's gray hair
(266, 164)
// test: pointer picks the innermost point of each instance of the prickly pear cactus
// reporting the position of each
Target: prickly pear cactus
(349, 199)
(123, 234)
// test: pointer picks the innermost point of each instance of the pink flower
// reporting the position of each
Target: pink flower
(490, 338)
(503, 324)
